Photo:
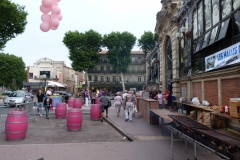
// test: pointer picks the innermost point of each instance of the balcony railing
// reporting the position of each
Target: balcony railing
(40, 78)
(128, 71)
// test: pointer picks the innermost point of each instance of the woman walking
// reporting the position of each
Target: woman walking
(118, 103)
(47, 104)
(105, 104)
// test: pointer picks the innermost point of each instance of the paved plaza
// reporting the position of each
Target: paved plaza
(50, 140)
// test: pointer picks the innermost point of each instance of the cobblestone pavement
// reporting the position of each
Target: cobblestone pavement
(49, 143)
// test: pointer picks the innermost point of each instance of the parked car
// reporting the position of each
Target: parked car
(17, 98)
(6, 93)
(65, 95)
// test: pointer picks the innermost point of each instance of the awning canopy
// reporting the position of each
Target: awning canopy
(55, 84)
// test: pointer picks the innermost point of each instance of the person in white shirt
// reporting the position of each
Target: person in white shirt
(124, 100)
(49, 92)
(130, 101)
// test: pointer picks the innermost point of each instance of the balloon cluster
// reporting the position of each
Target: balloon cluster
(51, 15)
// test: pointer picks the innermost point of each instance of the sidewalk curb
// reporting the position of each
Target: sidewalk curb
(123, 133)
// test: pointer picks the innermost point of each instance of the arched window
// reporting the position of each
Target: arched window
(168, 64)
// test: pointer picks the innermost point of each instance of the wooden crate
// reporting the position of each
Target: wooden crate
(234, 109)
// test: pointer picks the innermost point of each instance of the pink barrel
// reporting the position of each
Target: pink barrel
(77, 103)
(61, 110)
(95, 112)
(74, 119)
(16, 125)
(70, 101)
(97, 101)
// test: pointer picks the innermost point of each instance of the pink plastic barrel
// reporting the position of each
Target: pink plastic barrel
(95, 112)
(77, 103)
(74, 119)
(61, 110)
(97, 101)
(70, 101)
(16, 125)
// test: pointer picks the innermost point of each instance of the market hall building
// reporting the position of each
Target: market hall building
(199, 49)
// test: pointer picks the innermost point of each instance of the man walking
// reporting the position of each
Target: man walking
(129, 106)
(40, 98)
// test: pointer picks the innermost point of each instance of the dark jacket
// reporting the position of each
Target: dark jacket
(46, 104)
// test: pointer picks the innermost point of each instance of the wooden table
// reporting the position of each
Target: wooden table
(163, 114)
(145, 105)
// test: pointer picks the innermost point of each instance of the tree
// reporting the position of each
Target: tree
(83, 49)
(13, 23)
(147, 41)
(12, 69)
(119, 50)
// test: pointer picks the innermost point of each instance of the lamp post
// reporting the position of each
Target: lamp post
(44, 77)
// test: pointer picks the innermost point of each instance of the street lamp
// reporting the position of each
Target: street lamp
(44, 77)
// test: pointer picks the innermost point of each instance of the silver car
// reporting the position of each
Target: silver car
(17, 98)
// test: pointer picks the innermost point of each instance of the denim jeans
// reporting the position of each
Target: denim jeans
(47, 111)
(160, 106)
(40, 107)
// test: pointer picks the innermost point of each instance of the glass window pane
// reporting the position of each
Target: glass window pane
(195, 30)
(213, 35)
(199, 44)
(200, 18)
(236, 21)
(226, 8)
(236, 4)
(206, 38)
(224, 27)
(208, 11)
(215, 14)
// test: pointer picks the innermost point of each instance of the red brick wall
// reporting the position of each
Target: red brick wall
(197, 90)
(183, 85)
(230, 89)
(211, 92)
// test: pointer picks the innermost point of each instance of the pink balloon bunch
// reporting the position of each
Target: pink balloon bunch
(51, 15)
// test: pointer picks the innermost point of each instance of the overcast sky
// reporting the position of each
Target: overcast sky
(103, 16)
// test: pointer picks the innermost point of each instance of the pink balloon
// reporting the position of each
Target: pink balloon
(53, 28)
(55, 2)
(58, 16)
(54, 22)
(44, 9)
(47, 3)
(55, 9)
(45, 27)
(45, 17)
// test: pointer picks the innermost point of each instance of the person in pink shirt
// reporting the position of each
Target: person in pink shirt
(118, 103)
(160, 99)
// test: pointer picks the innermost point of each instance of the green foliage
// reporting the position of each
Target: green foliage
(83, 49)
(147, 41)
(119, 49)
(13, 20)
(12, 67)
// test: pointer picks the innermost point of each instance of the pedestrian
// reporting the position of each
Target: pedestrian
(40, 98)
(49, 92)
(86, 93)
(166, 95)
(160, 99)
(154, 94)
(170, 100)
(93, 95)
(129, 106)
(105, 105)
(124, 99)
(118, 103)
(47, 104)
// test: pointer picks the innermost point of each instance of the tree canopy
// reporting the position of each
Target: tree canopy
(83, 49)
(147, 41)
(12, 68)
(119, 49)
(13, 20)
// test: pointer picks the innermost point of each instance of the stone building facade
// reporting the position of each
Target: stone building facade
(103, 76)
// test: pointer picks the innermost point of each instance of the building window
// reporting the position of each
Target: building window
(139, 60)
(89, 77)
(120, 79)
(139, 78)
(108, 68)
(133, 60)
(95, 78)
(144, 78)
(102, 68)
(47, 73)
(133, 78)
(133, 68)
(30, 75)
(114, 78)
(72, 76)
(127, 78)
(102, 78)
(108, 79)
